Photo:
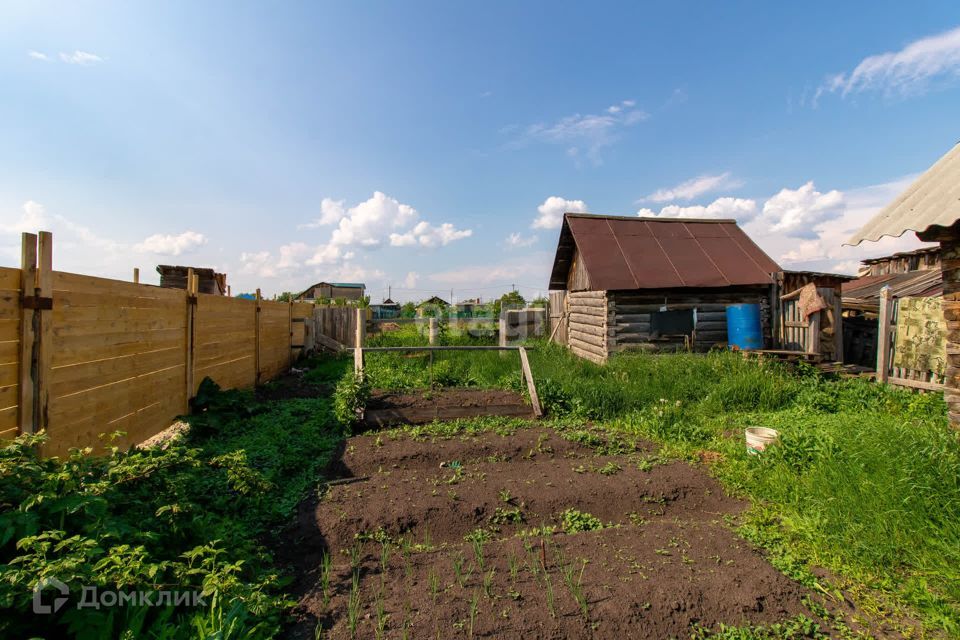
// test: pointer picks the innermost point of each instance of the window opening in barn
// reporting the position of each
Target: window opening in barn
(673, 322)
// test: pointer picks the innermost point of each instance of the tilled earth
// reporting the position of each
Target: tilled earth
(664, 561)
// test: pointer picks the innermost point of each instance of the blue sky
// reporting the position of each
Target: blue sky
(432, 145)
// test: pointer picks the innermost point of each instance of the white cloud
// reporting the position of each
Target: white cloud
(741, 209)
(329, 254)
(31, 219)
(170, 245)
(795, 211)
(36, 55)
(331, 212)
(694, 187)
(589, 132)
(410, 281)
(426, 235)
(822, 249)
(519, 241)
(369, 223)
(84, 58)
(910, 71)
(550, 213)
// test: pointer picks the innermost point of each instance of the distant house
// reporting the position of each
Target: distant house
(175, 277)
(350, 291)
(386, 310)
(431, 303)
(470, 308)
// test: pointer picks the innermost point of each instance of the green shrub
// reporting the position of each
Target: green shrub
(350, 398)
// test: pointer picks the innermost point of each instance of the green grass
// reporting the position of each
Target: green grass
(865, 481)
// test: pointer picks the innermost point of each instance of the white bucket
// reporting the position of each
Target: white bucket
(758, 438)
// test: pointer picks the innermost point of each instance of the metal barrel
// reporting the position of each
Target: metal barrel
(743, 326)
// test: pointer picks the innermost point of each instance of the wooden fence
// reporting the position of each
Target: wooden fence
(925, 373)
(82, 356)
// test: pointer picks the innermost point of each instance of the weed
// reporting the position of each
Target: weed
(514, 564)
(326, 566)
(434, 580)
(474, 602)
(488, 583)
(506, 516)
(381, 617)
(574, 521)
(548, 585)
(610, 469)
(458, 568)
(353, 605)
(505, 496)
(476, 543)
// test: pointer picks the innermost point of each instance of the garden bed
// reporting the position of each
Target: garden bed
(449, 537)
(386, 408)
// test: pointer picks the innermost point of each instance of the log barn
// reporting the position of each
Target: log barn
(622, 283)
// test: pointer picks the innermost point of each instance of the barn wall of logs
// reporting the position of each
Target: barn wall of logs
(629, 316)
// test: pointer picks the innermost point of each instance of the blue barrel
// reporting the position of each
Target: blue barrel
(743, 326)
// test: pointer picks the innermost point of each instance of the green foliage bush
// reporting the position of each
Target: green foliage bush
(187, 517)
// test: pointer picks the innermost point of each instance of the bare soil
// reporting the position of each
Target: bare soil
(387, 408)
(664, 561)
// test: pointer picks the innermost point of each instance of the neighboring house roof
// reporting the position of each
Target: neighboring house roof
(865, 292)
(902, 254)
(388, 302)
(622, 252)
(932, 200)
(434, 300)
(341, 285)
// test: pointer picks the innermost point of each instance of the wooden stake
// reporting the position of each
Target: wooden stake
(136, 275)
(531, 387)
(28, 286)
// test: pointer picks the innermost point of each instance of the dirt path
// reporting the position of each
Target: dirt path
(665, 559)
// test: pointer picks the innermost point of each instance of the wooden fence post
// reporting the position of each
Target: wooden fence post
(28, 287)
(44, 337)
(136, 275)
(256, 357)
(290, 332)
(883, 334)
(813, 332)
(359, 333)
(837, 328)
(433, 331)
(191, 300)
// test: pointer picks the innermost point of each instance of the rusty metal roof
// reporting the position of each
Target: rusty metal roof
(920, 284)
(932, 200)
(622, 252)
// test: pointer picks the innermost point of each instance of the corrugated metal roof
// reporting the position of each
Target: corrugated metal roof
(902, 285)
(621, 252)
(932, 200)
